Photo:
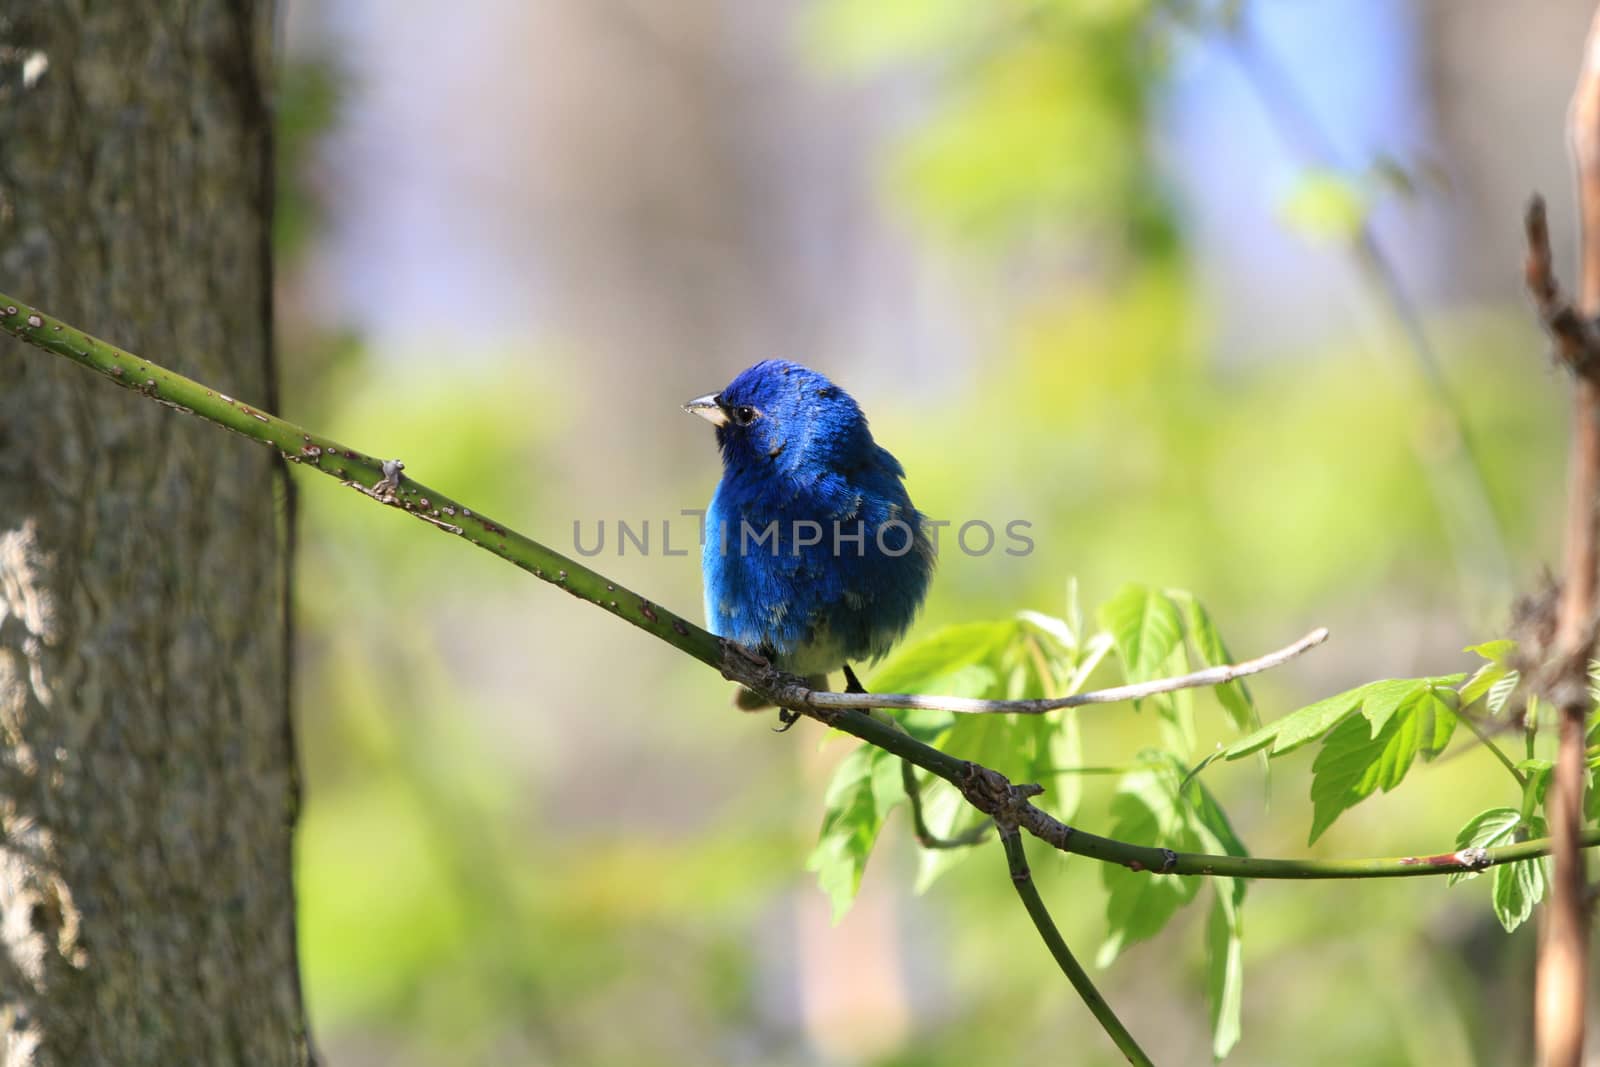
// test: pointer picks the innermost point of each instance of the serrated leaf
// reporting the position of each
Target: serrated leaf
(1212, 651)
(1298, 727)
(1312, 721)
(1146, 627)
(850, 824)
(1437, 709)
(1383, 699)
(1353, 764)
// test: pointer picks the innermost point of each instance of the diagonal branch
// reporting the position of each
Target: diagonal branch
(987, 790)
(1022, 879)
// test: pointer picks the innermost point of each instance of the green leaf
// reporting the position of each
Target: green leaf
(1059, 630)
(1225, 965)
(946, 813)
(1146, 811)
(1517, 887)
(850, 824)
(1487, 829)
(1537, 772)
(1212, 651)
(1058, 745)
(953, 661)
(1312, 721)
(1495, 679)
(1298, 727)
(1145, 625)
(1096, 650)
(1500, 692)
(1497, 651)
(1354, 763)
(1383, 699)
(1176, 708)
(913, 668)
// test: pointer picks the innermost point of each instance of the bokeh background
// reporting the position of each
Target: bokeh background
(1217, 295)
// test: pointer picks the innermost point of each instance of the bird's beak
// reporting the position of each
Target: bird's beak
(708, 407)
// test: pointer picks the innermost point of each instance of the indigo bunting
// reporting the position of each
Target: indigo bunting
(814, 555)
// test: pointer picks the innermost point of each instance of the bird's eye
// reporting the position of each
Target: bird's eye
(745, 415)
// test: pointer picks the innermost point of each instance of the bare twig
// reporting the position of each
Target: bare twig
(972, 835)
(1576, 341)
(798, 696)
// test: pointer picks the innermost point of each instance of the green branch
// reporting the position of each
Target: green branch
(988, 791)
(1022, 878)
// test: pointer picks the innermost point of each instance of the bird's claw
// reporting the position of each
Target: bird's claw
(786, 718)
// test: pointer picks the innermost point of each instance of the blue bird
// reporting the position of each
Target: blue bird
(814, 555)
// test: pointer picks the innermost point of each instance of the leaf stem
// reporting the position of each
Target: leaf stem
(1022, 879)
(1499, 753)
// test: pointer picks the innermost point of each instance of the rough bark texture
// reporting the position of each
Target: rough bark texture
(147, 782)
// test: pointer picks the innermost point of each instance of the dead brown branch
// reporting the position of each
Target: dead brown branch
(1562, 977)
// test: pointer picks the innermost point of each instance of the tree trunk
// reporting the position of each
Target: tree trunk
(147, 778)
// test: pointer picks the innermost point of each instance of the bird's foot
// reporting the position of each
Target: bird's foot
(786, 719)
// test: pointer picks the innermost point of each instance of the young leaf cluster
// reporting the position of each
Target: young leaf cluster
(1150, 633)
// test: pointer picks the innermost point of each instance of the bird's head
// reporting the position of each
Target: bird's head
(781, 414)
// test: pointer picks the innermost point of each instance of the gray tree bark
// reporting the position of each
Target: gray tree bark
(147, 779)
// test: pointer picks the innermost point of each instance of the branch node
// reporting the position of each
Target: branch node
(1576, 339)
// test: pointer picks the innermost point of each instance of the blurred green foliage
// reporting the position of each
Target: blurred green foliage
(485, 880)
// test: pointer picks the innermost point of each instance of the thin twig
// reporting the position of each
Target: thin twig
(972, 835)
(1499, 753)
(1022, 879)
(800, 696)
